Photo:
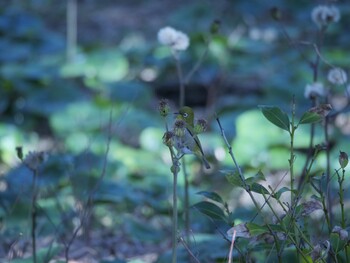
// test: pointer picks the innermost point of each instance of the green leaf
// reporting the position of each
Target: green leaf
(256, 178)
(255, 229)
(212, 195)
(211, 210)
(233, 178)
(276, 116)
(258, 188)
(310, 117)
(278, 194)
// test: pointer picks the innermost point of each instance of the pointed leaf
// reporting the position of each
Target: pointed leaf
(212, 195)
(278, 194)
(276, 116)
(310, 117)
(256, 178)
(255, 229)
(211, 210)
(258, 188)
(234, 178)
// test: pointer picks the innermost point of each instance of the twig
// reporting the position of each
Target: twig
(34, 213)
(231, 247)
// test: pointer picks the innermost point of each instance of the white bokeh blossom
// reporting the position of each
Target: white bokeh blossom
(337, 76)
(313, 90)
(324, 15)
(173, 38)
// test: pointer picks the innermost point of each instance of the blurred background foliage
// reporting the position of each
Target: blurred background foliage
(62, 106)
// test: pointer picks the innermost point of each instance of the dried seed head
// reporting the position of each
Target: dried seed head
(179, 128)
(163, 107)
(168, 138)
(201, 126)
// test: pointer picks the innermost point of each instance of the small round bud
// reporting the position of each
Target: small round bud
(175, 169)
(200, 126)
(343, 159)
(179, 128)
(168, 138)
(163, 107)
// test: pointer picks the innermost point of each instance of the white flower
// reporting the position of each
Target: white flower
(337, 76)
(323, 15)
(314, 90)
(177, 40)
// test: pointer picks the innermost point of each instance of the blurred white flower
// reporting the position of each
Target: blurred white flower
(323, 15)
(314, 90)
(337, 76)
(177, 40)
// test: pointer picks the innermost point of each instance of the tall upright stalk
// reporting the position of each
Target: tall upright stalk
(34, 213)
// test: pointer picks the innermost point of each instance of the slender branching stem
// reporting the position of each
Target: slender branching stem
(247, 188)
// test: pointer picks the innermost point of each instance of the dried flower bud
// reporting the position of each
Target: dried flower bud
(276, 13)
(176, 39)
(323, 15)
(215, 26)
(19, 151)
(200, 126)
(343, 159)
(343, 234)
(163, 107)
(322, 109)
(337, 76)
(168, 138)
(34, 159)
(179, 128)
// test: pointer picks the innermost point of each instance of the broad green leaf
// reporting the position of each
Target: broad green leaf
(310, 117)
(212, 195)
(211, 210)
(276, 116)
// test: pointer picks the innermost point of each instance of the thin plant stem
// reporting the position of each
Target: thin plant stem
(174, 233)
(34, 213)
(292, 156)
(247, 188)
(187, 200)
(328, 171)
(341, 201)
(189, 250)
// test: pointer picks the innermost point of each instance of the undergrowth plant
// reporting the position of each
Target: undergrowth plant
(282, 229)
